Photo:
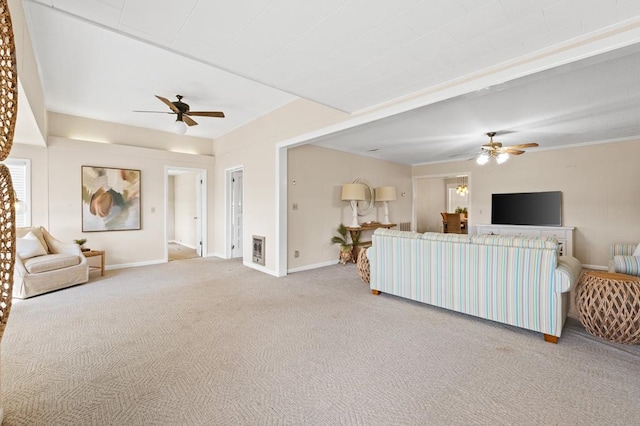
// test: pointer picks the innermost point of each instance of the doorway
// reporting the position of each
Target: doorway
(235, 220)
(434, 195)
(185, 213)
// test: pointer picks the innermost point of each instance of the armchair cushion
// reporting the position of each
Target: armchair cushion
(29, 246)
(36, 265)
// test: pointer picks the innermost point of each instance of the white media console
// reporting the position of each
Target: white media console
(564, 234)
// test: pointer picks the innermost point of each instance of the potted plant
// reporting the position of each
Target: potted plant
(345, 246)
(81, 242)
(462, 211)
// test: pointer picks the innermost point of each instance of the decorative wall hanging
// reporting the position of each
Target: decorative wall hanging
(110, 199)
(8, 113)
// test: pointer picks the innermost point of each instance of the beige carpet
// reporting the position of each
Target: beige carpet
(210, 342)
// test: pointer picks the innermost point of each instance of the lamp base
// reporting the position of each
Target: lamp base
(386, 214)
(354, 208)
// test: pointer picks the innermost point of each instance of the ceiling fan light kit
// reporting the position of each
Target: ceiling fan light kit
(180, 127)
(498, 152)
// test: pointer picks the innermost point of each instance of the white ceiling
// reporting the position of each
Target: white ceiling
(103, 59)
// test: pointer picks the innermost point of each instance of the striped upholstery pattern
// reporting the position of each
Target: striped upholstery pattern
(621, 259)
(623, 249)
(629, 265)
(513, 280)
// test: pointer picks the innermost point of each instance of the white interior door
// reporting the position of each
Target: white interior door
(236, 214)
(198, 215)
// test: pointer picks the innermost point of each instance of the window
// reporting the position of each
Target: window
(20, 170)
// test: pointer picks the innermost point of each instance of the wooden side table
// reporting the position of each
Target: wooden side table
(371, 226)
(94, 253)
(609, 305)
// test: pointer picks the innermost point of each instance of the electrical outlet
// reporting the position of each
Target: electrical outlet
(296, 253)
(295, 206)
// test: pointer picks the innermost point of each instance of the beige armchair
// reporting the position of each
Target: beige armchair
(45, 264)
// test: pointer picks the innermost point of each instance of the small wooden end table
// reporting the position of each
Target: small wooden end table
(94, 253)
(371, 226)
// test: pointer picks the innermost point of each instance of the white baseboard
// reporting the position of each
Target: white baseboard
(134, 264)
(314, 266)
(220, 255)
(259, 268)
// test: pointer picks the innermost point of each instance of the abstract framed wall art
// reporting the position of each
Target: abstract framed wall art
(110, 199)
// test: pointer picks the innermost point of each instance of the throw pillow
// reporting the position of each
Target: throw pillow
(637, 252)
(29, 246)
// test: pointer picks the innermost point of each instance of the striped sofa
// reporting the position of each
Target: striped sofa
(519, 281)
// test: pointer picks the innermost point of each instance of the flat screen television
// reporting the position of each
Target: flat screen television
(527, 208)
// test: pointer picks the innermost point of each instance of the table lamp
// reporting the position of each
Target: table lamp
(384, 194)
(353, 192)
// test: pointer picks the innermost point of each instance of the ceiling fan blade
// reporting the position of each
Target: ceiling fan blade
(524, 145)
(189, 121)
(513, 151)
(157, 112)
(168, 103)
(218, 114)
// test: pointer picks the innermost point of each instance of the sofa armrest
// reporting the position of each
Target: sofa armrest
(567, 273)
(58, 247)
(629, 265)
(18, 267)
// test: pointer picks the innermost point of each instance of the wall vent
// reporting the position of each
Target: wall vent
(258, 250)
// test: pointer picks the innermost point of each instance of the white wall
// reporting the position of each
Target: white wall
(63, 180)
(34, 111)
(319, 174)
(599, 185)
(86, 129)
(254, 147)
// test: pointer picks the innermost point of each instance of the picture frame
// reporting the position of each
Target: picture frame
(110, 199)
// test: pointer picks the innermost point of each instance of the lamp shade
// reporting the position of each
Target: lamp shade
(386, 193)
(353, 191)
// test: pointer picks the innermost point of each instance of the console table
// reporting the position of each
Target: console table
(371, 226)
(564, 234)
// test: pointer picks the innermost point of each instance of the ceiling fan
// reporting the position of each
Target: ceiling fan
(183, 113)
(499, 152)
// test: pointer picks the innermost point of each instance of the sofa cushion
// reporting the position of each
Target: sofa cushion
(29, 246)
(50, 262)
(396, 233)
(515, 241)
(438, 236)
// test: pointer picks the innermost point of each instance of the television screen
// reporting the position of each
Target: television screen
(527, 208)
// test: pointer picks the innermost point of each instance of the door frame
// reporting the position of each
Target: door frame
(203, 213)
(227, 211)
(414, 208)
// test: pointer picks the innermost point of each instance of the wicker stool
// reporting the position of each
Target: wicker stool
(609, 306)
(363, 266)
